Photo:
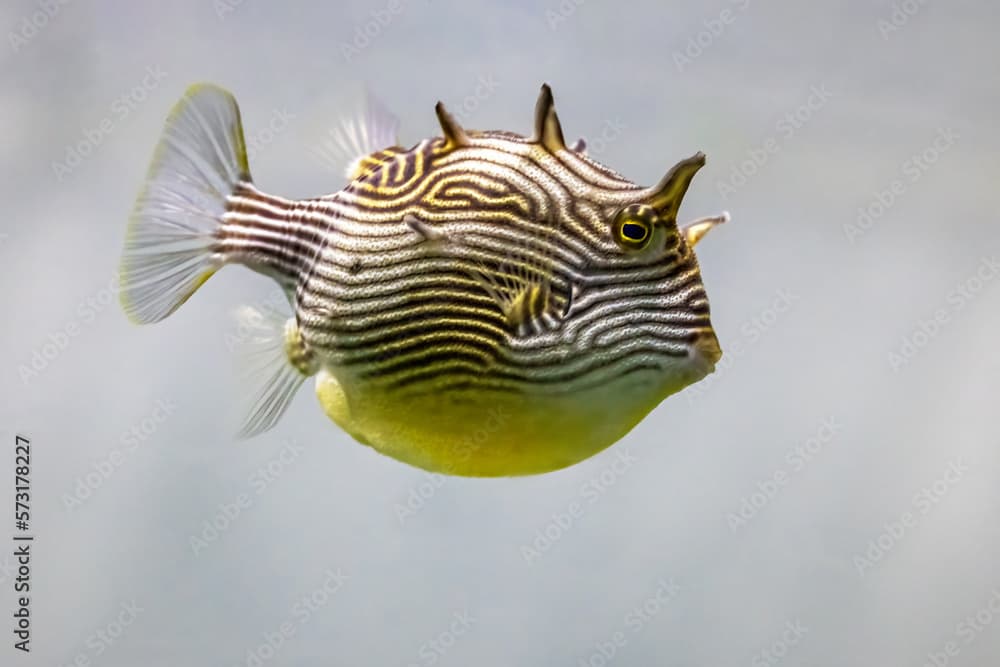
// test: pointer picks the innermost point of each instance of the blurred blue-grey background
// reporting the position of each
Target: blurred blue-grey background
(829, 497)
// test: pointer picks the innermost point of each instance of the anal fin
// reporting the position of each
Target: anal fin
(275, 364)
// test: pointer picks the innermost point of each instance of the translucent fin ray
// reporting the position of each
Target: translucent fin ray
(522, 287)
(169, 247)
(370, 129)
(274, 363)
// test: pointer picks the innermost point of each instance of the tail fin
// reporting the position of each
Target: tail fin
(170, 248)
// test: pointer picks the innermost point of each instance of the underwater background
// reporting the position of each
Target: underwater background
(829, 496)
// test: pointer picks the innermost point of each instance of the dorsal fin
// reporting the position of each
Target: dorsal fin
(548, 132)
(580, 146)
(350, 146)
(454, 135)
(666, 195)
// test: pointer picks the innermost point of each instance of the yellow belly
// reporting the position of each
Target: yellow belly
(490, 435)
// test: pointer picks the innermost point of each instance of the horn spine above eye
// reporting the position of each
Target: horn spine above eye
(666, 195)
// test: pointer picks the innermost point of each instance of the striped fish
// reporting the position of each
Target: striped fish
(481, 304)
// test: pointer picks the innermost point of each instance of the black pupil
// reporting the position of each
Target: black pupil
(633, 232)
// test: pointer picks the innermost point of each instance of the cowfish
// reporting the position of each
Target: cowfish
(483, 303)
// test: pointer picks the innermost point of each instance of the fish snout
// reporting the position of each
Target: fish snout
(706, 349)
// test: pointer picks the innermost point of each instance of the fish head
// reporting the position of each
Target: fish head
(626, 289)
(646, 283)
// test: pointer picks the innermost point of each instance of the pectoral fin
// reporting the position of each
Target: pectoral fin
(523, 289)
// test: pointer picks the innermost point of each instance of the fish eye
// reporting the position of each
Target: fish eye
(633, 231)
(633, 226)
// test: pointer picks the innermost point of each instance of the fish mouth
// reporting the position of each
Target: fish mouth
(705, 350)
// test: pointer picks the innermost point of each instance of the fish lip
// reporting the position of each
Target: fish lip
(706, 352)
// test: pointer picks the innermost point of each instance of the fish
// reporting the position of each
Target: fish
(481, 304)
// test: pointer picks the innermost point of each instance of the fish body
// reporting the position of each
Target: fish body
(482, 303)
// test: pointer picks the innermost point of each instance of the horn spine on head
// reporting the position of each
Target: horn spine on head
(548, 131)
(454, 135)
(695, 230)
